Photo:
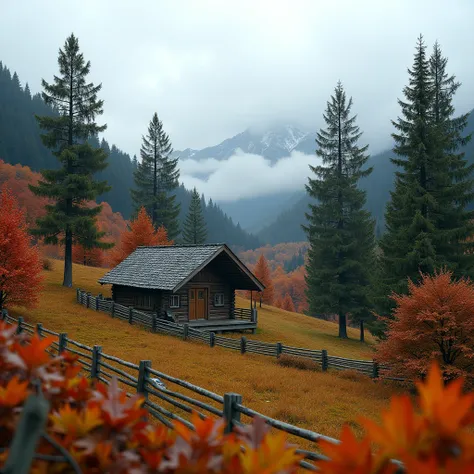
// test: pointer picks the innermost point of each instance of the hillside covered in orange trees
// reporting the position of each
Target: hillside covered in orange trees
(17, 178)
(286, 264)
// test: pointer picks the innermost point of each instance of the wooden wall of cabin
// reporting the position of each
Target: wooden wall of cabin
(130, 296)
(214, 284)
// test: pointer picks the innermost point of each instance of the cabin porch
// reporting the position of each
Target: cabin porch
(242, 319)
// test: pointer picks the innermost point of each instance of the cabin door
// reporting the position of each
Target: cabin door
(197, 303)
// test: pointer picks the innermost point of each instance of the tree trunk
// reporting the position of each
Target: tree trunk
(260, 300)
(1, 302)
(67, 281)
(342, 326)
(362, 335)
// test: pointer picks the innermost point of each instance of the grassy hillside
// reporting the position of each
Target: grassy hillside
(314, 400)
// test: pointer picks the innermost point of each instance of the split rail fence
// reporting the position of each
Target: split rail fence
(150, 321)
(173, 399)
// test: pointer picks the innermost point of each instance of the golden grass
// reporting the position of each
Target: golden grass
(314, 400)
(294, 329)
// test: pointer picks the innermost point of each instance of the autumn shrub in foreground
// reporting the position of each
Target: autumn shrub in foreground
(104, 431)
(434, 321)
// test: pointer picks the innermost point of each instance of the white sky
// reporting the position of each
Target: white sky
(212, 68)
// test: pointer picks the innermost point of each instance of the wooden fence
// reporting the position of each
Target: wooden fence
(184, 331)
(175, 402)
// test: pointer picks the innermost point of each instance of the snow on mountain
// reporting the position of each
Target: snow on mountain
(273, 144)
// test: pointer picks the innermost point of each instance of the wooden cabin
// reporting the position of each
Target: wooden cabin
(187, 283)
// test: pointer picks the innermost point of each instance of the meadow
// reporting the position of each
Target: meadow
(314, 400)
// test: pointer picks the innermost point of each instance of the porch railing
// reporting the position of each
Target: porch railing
(245, 314)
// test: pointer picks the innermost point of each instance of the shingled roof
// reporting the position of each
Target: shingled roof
(167, 267)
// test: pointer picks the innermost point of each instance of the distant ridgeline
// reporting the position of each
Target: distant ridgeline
(20, 142)
(287, 225)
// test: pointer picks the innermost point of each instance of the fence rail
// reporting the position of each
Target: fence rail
(173, 398)
(321, 358)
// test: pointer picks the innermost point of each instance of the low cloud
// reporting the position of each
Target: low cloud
(245, 175)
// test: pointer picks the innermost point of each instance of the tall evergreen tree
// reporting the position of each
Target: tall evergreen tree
(428, 226)
(452, 176)
(194, 229)
(156, 179)
(71, 186)
(340, 231)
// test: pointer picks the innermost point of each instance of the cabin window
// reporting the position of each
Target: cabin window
(174, 301)
(219, 299)
(143, 301)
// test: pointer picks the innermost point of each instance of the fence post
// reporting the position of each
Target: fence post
(154, 317)
(19, 329)
(88, 300)
(4, 314)
(243, 344)
(212, 339)
(130, 315)
(97, 303)
(95, 364)
(39, 329)
(231, 415)
(375, 370)
(32, 422)
(112, 309)
(185, 331)
(62, 342)
(324, 360)
(78, 295)
(142, 375)
(279, 349)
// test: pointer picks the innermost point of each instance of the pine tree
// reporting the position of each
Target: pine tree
(427, 225)
(156, 177)
(194, 229)
(71, 186)
(452, 176)
(340, 231)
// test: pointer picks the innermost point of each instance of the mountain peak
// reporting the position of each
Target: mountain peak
(272, 143)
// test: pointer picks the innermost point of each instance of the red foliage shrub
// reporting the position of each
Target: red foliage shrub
(20, 263)
(434, 321)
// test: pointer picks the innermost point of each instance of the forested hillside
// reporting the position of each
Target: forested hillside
(20, 143)
(287, 225)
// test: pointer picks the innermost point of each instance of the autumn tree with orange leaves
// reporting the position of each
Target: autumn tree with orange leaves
(262, 272)
(434, 321)
(20, 263)
(141, 233)
(287, 303)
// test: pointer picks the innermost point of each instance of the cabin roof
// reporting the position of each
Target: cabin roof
(169, 267)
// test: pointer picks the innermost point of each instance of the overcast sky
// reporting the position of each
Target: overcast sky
(212, 68)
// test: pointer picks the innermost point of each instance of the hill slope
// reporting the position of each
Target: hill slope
(313, 400)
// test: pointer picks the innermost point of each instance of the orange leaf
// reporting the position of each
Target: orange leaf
(34, 354)
(351, 456)
(14, 393)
